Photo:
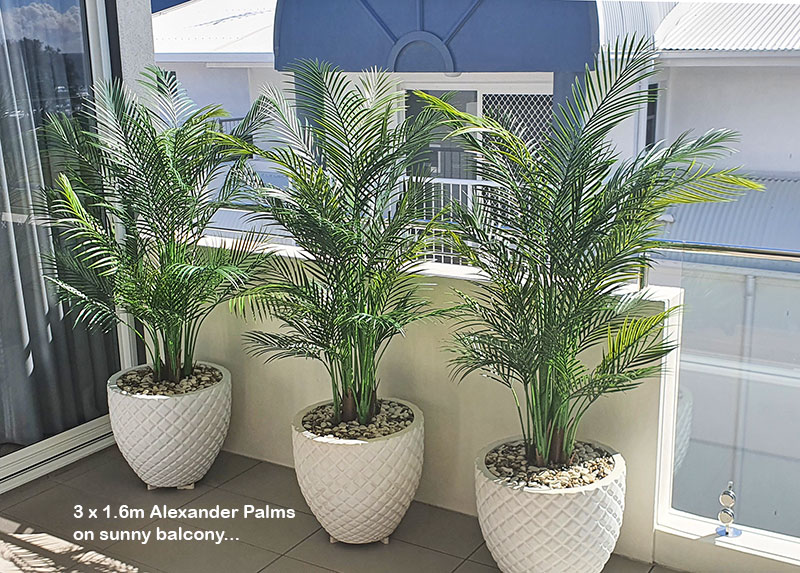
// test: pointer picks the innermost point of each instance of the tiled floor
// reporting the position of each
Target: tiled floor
(37, 524)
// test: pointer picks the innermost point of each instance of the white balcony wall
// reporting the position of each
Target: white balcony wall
(459, 418)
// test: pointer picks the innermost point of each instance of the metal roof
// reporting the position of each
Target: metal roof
(617, 18)
(215, 31)
(730, 26)
(768, 219)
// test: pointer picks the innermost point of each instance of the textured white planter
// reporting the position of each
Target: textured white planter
(171, 441)
(531, 530)
(359, 490)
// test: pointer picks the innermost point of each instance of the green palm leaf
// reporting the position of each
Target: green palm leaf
(131, 209)
(560, 226)
(356, 194)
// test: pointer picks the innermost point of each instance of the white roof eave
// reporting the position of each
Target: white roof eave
(723, 58)
(217, 57)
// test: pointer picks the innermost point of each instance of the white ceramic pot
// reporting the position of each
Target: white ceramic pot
(359, 490)
(171, 441)
(531, 530)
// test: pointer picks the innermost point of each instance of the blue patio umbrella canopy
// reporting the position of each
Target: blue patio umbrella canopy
(439, 35)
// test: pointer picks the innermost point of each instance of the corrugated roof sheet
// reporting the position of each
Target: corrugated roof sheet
(219, 30)
(731, 26)
(768, 219)
(618, 18)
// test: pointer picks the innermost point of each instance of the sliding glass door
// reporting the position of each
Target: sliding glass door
(52, 373)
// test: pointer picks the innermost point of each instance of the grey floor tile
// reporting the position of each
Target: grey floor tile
(91, 462)
(53, 510)
(193, 556)
(269, 482)
(289, 565)
(226, 467)
(483, 556)
(472, 567)
(118, 481)
(662, 569)
(619, 564)
(440, 529)
(278, 535)
(25, 491)
(396, 557)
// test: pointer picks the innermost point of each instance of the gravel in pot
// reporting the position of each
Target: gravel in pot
(589, 464)
(140, 381)
(390, 419)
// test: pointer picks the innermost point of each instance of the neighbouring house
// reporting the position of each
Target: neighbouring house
(221, 51)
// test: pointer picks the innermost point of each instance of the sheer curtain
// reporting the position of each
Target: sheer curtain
(52, 373)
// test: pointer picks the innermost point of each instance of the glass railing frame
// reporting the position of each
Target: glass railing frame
(670, 521)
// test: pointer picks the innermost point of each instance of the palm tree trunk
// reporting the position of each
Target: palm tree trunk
(557, 456)
(349, 411)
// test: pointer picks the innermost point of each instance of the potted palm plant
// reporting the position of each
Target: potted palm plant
(355, 202)
(559, 229)
(129, 211)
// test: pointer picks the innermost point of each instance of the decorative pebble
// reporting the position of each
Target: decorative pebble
(391, 418)
(589, 464)
(140, 381)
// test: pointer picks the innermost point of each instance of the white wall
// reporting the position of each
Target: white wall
(260, 76)
(135, 37)
(759, 102)
(459, 418)
(228, 87)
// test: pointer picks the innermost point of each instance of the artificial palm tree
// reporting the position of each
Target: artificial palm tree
(561, 225)
(355, 203)
(139, 188)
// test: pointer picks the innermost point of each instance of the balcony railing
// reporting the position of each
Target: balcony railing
(229, 124)
(739, 380)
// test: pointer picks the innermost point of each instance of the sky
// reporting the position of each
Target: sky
(54, 22)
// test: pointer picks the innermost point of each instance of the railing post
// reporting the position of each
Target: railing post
(643, 272)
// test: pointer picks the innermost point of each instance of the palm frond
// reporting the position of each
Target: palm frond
(356, 192)
(561, 224)
(132, 206)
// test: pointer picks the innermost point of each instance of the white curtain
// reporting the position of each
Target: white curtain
(52, 374)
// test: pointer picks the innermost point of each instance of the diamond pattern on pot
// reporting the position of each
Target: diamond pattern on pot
(559, 531)
(171, 441)
(359, 491)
